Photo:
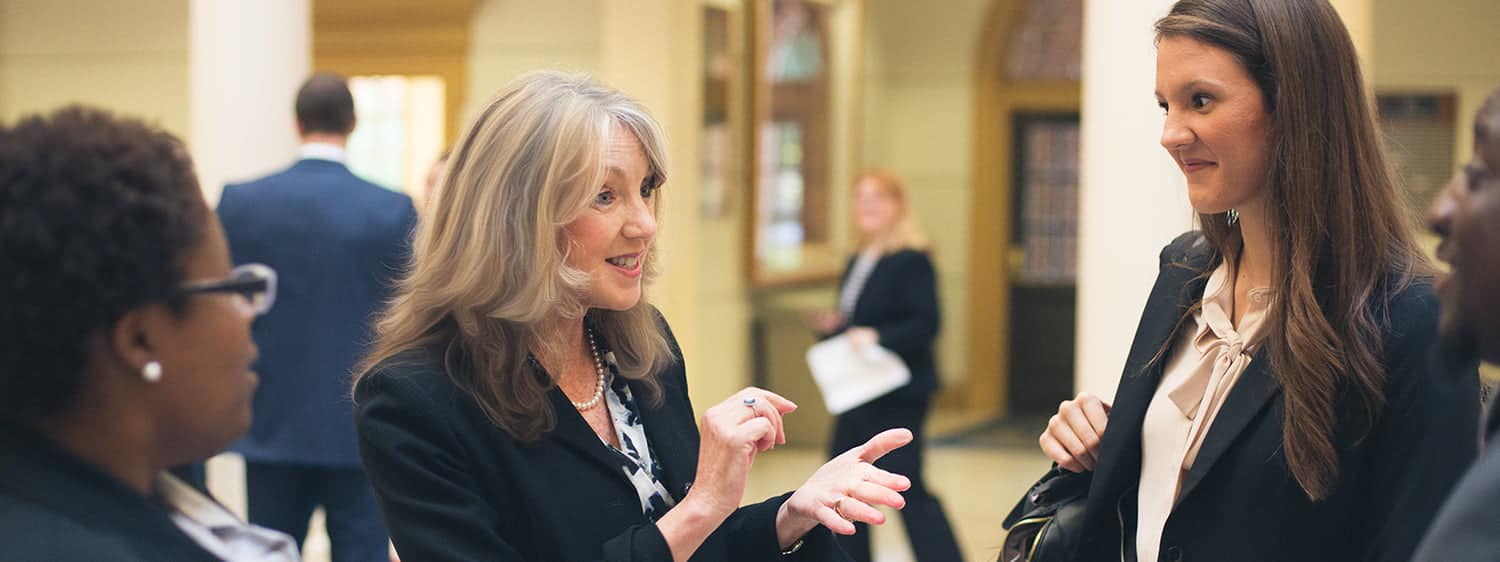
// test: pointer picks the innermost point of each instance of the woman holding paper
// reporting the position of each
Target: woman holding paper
(888, 297)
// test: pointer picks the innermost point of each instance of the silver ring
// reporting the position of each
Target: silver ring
(749, 401)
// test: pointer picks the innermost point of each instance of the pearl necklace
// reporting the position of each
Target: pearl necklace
(598, 368)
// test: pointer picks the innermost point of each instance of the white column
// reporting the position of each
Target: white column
(245, 62)
(1132, 198)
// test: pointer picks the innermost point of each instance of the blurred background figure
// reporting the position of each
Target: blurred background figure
(338, 241)
(125, 338)
(888, 297)
(1466, 214)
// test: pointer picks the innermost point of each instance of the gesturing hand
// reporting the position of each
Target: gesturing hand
(730, 435)
(732, 432)
(846, 489)
(862, 336)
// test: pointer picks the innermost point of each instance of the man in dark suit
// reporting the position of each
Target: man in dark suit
(1467, 215)
(338, 242)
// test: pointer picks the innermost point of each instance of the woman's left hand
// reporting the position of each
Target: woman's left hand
(862, 336)
(844, 490)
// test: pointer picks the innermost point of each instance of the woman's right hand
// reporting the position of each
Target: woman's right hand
(1072, 436)
(732, 433)
(824, 321)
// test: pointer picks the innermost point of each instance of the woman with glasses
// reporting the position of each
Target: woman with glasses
(125, 341)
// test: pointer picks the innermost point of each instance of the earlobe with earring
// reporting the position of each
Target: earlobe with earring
(151, 372)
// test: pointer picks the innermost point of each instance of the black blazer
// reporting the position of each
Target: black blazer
(899, 300)
(56, 507)
(1468, 527)
(453, 486)
(1240, 502)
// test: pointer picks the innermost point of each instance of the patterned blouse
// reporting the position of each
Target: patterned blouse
(636, 458)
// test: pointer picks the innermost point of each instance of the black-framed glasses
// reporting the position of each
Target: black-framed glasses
(253, 281)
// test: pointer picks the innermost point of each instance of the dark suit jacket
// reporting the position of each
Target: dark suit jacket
(453, 486)
(336, 242)
(899, 300)
(56, 507)
(1468, 527)
(1239, 502)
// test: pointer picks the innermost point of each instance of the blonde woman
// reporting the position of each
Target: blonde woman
(889, 296)
(524, 401)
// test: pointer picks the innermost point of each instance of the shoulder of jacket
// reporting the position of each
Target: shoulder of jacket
(1186, 246)
(1410, 313)
(911, 257)
(414, 373)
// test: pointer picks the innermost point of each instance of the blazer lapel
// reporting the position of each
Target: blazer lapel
(673, 445)
(574, 433)
(1176, 289)
(1246, 400)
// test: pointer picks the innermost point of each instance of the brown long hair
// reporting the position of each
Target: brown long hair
(489, 263)
(1342, 245)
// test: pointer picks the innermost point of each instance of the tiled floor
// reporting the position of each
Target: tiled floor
(978, 470)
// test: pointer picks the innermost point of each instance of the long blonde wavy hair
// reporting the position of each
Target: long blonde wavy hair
(489, 262)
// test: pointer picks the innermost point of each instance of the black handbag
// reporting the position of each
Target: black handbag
(1045, 525)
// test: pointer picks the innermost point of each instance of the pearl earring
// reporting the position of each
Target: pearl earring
(151, 372)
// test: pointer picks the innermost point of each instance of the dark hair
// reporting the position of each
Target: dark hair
(1342, 245)
(324, 105)
(96, 214)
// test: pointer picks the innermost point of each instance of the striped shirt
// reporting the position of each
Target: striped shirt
(859, 274)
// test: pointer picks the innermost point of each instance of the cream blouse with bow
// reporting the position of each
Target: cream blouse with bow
(1204, 367)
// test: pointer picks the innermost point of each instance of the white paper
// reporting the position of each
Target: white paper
(850, 375)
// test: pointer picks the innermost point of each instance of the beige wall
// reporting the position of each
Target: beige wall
(918, 88)
(1448, 46)
(511, 37)
(130, 57)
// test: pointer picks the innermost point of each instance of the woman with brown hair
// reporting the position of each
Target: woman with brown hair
(523, 399)
(888, 296)
(1277, 403)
